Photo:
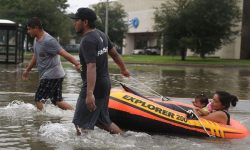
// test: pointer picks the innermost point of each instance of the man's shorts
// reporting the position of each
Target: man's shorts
(85, 119)
(49, 89)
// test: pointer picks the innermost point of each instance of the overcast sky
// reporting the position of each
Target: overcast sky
(75, 4)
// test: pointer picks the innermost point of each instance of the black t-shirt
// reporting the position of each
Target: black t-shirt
(94, 48)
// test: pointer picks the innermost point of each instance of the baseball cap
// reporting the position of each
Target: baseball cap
(84, 13)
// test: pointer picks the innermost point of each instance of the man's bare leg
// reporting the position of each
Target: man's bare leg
(64, 105)
(39, 105)
(78, 130)
(113, 128)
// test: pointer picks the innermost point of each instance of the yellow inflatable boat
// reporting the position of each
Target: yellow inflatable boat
(135, 112)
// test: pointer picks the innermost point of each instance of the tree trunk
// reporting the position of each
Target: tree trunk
(202, 55)
(183, 54)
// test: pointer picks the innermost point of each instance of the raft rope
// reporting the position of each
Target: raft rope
(149, 91)
(138, 89)
(192, 112)
(162, 98)
(142, 84)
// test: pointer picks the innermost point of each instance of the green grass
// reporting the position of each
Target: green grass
(176, 60)
(171, 60)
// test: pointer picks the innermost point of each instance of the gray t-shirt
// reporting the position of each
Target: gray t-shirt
(47, 59)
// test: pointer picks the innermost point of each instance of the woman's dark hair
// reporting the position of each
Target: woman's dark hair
(226, 99)
(203, 99)
(34, 22)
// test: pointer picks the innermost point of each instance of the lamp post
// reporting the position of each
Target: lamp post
(106, 17)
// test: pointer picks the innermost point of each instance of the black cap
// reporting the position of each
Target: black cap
(84, 13)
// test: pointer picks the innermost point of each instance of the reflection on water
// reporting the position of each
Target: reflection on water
(23, 127)
(182, 81)
(169, 81)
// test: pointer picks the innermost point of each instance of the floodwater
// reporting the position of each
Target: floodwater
(23, 127)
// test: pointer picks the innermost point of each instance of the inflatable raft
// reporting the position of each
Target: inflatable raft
(138, 113)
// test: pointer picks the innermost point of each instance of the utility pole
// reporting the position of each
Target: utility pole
(107, 17)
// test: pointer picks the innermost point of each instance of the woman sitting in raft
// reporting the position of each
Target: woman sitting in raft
(220, 104)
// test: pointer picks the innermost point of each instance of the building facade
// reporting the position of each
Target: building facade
(141, 33)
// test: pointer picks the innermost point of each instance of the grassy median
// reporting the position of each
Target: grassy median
(176, 60)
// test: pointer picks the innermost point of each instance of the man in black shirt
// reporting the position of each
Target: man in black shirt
(92, 104)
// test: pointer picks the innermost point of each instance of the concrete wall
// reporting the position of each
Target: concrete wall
(144, 11)
(129, 43)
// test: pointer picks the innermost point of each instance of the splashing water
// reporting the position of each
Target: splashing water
(19, 104)
(51, 110)
(21, 110)
(56, 131)
(17, 109)
(65, 134)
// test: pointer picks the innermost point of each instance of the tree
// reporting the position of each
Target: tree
(200, 25)
(117, 27)
(51, 12)
(170, 22)
(214, 25)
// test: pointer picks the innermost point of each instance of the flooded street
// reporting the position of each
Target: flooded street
(23, 127)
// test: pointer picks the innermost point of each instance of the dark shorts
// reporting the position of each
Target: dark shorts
(49, 89)
(85, 119)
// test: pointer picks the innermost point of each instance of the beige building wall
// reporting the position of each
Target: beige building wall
(232, 50)
(129, 43)
(144, 11)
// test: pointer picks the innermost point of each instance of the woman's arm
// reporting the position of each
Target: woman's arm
(201, 112)
(218, 116)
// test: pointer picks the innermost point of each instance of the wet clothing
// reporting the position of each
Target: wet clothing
(49, 89)
(228, 116)
(50, 69)
(85, 119)
(47, 58)
(94, 48)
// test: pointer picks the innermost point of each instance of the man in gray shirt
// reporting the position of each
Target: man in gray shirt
(46, 58)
